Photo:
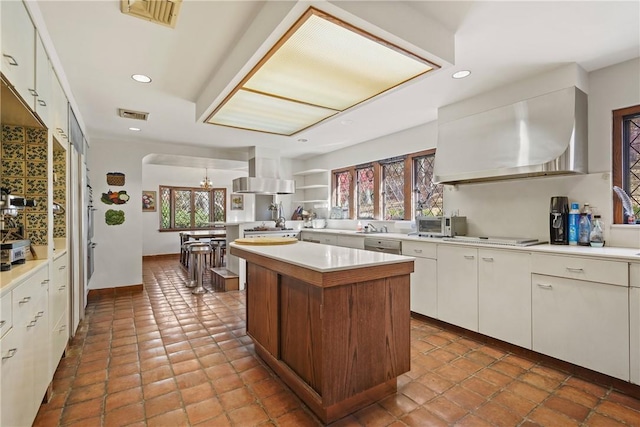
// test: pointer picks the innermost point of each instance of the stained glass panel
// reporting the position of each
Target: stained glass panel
(428, 196)
(219, 199)
(364, 191)
(202, 208)
(631, 128)
(393, 190)
(343, 189)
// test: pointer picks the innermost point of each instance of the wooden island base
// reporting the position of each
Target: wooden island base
(338, 339)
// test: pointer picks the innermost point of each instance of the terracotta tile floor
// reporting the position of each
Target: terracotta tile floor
(162, 357)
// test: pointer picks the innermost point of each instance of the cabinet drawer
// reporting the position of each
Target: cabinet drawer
(593, 270)
(327, 239)
(5, 314)
(419, 249)
(59, 339)
(30, 297)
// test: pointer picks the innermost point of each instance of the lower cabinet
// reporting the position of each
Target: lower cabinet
(458, 286)
(58, 308)
(504, 295)
(424, 280)
(24, 348)
(585, 323)
(355, 242)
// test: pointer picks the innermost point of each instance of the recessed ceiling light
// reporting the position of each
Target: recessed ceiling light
(303, 140)
(141, 78)
(135, 129)
(461, 74)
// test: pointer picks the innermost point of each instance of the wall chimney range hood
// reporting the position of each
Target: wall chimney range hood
(264, 175)
(544, 135)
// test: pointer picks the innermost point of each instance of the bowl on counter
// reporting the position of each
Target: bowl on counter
(319, 223)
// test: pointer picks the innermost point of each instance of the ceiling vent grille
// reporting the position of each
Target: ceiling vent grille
(163, 12)
(130, 114)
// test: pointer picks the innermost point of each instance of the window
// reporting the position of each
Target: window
(183, 207)
(390, 189)
(626, 160)
(343, 184)
(393, 189)
(428, 196)
(365, 190)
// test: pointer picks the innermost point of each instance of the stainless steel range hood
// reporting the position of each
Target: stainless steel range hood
(264, 175)
(545, 135)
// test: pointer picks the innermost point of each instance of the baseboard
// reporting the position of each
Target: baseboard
(160, 256)
(579, 371)
(131, 289)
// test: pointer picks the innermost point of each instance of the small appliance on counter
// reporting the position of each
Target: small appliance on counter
(441, 226)
(13, 252)
(559, 221)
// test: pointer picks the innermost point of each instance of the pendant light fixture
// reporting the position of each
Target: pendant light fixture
(206, 182)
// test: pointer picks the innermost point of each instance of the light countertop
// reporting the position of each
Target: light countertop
(323, 258)
(18, 273)
(609, 252)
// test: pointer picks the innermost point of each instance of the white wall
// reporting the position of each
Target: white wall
(519, 208)
(118, 256)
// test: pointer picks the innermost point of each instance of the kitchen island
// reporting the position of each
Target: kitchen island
(333, 323)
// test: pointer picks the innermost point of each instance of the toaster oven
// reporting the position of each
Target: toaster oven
(441, 226)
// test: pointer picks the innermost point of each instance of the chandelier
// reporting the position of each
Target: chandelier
(206, 182)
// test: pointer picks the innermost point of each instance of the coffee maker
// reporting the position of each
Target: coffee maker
(559, 221)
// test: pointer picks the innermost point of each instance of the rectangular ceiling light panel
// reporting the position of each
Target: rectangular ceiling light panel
(321, 62)
(259, 112)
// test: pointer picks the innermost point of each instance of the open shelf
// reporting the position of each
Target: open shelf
(307, 187)
(310, 171)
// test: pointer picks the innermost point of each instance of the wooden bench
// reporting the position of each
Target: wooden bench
(223, 280)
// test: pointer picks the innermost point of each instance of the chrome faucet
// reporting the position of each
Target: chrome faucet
(384, 229)
(372, 229)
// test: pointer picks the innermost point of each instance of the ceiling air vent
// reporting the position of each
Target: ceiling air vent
(163, 12)
(130, 114)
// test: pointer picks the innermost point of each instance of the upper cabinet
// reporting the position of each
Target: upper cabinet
(44, 76)
(60, 113)
(19, 50)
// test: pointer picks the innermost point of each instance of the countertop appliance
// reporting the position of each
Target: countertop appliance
(559, 221)
(502, 241)
(441, 226)
(13, 252)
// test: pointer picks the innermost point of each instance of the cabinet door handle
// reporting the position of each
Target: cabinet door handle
(469, 257)
(12, 352)
(2, 322)
(33, 92)
(12, 60)
(418, 251)
(44, 282)
(575, 270)
(544, 286)
(40, 314)
(61, 288)
(24, 300)
(488, 259)
(32, 323)
(62, 267)
(62, 328)
(42, 103)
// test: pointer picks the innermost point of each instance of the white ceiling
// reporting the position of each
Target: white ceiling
(500, 42)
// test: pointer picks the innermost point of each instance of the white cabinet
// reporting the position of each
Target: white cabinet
(326, 239)
(58, 308)
(60, 112)
(582, 322)
(6, 318)
(504, 295)
(18, 49)
(457, 274)
(634, 322)
(424, 280)
(24, 348)
(44, 73)
(356, 242)
(312, 188)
